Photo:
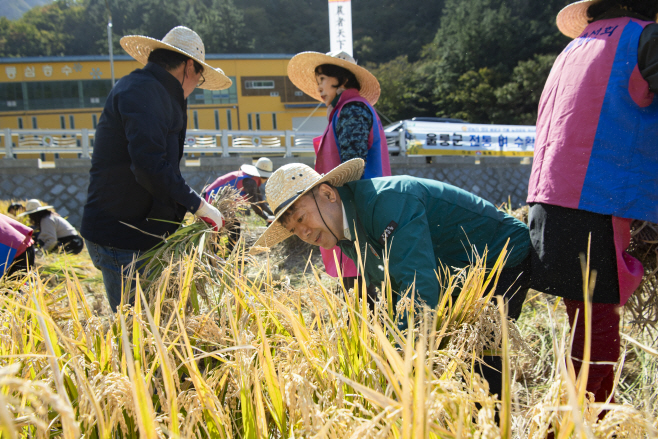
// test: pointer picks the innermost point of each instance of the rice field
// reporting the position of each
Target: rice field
(235, 346)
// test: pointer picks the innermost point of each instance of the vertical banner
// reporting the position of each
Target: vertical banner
(340, 26)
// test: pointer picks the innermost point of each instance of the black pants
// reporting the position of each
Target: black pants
(233, 236)
(71, 244)
(558, 235)
(513, 285)
(350, 282)
(22, 261)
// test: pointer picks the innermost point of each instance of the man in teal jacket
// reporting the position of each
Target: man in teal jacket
(419, 224)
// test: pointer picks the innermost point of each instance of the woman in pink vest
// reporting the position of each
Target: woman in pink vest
(354, 131)
(596, 168)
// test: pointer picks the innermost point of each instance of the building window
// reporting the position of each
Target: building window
(250, 126)
(258, 84)
(299, 93)
(20, 123)
(257, 121)
(34, 122)
(213, 97)
(229, 120)
(274, 93)
(216, 119)
(195, 114)
(94, 120)
(62, 122)
(274, 121)
(72, 121)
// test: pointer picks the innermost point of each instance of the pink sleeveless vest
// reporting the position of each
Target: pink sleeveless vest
(15, 237)
(327, 151)
(596, 129)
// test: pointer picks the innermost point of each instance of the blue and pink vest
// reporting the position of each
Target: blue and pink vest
(596, 147)
(14, 239)
(231, 179)
(327, 151)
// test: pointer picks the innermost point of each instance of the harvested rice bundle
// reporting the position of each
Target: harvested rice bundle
(196, 238)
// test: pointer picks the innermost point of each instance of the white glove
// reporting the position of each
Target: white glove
(209, 213)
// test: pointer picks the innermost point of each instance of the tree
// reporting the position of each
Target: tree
(519, 98)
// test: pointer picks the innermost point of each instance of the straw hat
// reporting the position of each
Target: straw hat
(301, 71)
(34, 206)
(293, 180)
(573, 19)
(182, 40)
(263, 168)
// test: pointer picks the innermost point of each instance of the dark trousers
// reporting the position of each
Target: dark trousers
(350, 282)
(513, 285)
(71, 244)
(22, 261)
(233, 236)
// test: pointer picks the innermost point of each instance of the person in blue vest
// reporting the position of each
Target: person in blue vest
(596, 169)
(419, 223)
(247, 180)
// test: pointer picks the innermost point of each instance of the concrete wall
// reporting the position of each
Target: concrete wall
(65, 186)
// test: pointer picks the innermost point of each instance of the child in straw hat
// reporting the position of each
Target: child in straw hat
(136, 194)
(354, 131)
(417, 223)
(595, 167)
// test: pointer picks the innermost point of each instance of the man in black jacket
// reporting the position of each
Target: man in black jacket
(137, 195)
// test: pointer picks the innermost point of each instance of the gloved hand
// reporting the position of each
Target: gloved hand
(209, 213)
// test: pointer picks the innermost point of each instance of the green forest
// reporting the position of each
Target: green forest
(484, 61)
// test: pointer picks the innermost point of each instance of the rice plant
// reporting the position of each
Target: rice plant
(209, 351)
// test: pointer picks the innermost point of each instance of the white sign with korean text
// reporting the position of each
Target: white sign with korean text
(340, 26)
(436, 138)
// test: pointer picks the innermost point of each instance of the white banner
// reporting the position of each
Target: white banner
(432, 138)
(340, 26)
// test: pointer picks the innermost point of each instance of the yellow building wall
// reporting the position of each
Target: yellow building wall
(21, 71)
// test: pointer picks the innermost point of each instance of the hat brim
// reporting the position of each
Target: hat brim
(252, 170)
(38, 209)
(301, 71)
(140, 47)
(573, 19)
(351, 170)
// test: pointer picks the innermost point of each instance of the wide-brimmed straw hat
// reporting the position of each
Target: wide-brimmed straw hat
(182, 40)
(293, 180)
(301, 71)
(263, 168)
(573, 19)
(34, 206)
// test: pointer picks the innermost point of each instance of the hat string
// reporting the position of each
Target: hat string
(288, 201)
(325, 223)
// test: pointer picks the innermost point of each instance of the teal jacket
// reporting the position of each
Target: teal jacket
(424, 223)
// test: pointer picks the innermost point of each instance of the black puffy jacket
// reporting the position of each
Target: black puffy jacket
(135, 167)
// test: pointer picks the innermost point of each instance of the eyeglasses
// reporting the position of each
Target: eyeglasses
(202, 81)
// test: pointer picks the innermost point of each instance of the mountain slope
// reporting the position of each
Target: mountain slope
(13, 9)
